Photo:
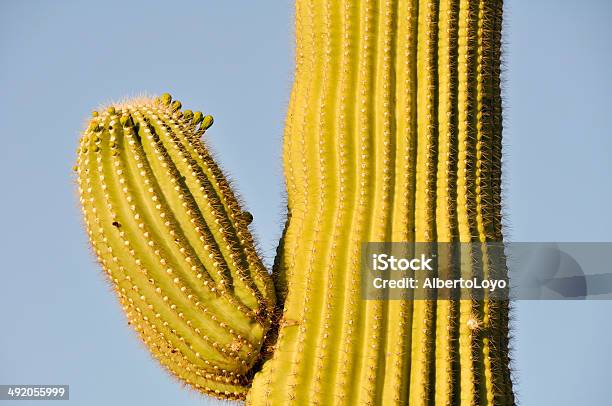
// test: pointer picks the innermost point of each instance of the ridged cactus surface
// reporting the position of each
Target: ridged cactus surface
(168, 231)
(393, 134)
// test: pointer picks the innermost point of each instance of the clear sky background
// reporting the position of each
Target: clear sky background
(60, 59)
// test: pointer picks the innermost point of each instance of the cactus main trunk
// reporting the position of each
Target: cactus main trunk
(393, 134)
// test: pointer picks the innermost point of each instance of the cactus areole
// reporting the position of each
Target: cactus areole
(393, 133)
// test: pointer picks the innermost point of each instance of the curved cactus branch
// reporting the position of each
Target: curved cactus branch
(172, 238)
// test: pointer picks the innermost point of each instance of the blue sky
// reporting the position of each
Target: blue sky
(61, 59)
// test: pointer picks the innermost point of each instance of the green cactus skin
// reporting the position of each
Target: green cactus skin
(393, 134)
(169, 233)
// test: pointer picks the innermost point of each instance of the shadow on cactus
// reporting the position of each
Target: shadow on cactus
(393, 134)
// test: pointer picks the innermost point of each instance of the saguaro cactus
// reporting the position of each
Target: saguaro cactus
(393, 134)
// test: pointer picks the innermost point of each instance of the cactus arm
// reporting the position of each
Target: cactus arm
(172, 238)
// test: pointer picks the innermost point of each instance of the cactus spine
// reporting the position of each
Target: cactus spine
(393, 134)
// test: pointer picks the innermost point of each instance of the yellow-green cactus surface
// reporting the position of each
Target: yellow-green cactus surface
(393, 134)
